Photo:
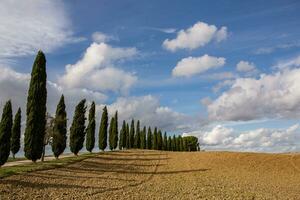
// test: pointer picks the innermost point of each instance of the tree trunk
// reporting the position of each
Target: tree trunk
(13, 156)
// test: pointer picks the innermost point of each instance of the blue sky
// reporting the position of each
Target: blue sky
(242, 91)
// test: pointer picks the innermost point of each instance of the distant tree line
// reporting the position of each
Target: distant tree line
(42, 129)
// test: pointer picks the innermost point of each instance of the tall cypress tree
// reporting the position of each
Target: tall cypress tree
(111, 134)
(149, 138)
(77, 130)
(103, 129)
(174, 143)
(159, 140)
(121, 138)
(165, 142)
(137, 139)
(36, 110)
(5, 132)
(90, 130)
(155, 146)
(124, 133)
(143, 138)
(180, 143)
(127, 136)
(115, 131)
(169, 143)
(131, 134)
(60, 128)
(16, 134)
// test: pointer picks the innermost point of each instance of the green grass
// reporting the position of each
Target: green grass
(10, 159)
(7, 171)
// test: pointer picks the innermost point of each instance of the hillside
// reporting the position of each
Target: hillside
(163, 175)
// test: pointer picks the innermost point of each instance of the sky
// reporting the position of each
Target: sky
(224, 71)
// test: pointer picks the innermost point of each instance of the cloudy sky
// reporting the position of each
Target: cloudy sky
(227, 72)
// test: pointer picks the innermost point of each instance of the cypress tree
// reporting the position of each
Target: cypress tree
(77, 130)
(5, 132)
(60, 128)
(36, 110)
(122, 134)
(124, 139)
(174, 143)
(90, 130)
(165, 142)
(149, 138)
(159, 140)
(137, 139)
(115, 131)
(16, 134)
(111, 134)
(143, 138)
(131, 134)
(155, 146)
(169, 143)
(127, 137)
(180, 143)
(103, 129)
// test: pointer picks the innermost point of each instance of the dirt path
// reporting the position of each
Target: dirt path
(163, 175)
(24, 162)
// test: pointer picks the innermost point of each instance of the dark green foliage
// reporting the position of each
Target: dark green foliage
(155, 146)
(180, 143)
(115, 131)
(137, 138)
(159, 140)
(174, 143)
(165, 142)
(90, 130)
(131, 134)
(5, 132)
(122, 142)
(111, 134)
(143, 138)
(169, 143)
(77, 130)
(127, 137)
(36, 109)
(16, 134)
(60, 128)
(191, 143)
(149, 138)
(103, 130)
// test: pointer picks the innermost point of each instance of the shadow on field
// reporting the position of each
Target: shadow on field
(126, 169)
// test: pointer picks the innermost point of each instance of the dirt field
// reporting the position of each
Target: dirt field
(163, 175)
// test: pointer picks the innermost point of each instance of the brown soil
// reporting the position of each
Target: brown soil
(163, 175)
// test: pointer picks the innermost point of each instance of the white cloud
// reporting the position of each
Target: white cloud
(14, 86)
(164, 30)
(195, 65)
(268, 50)
(96, 71)
(100, 37)
(196, 36)
(271, 96)
(148, 110)
(262, 139)
(245, 66)
(289, 63)
(27, 26)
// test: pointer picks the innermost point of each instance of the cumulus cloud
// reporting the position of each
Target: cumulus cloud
(196, 36)
(245, 66)
(289, 63)
(148, 110)
(271, 96)
(14, 86)
(96, 71)
(195, 65)
(100, 37)
(27, 26)
(262, 139)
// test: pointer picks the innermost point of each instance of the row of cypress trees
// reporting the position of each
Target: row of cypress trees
(36, 126)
